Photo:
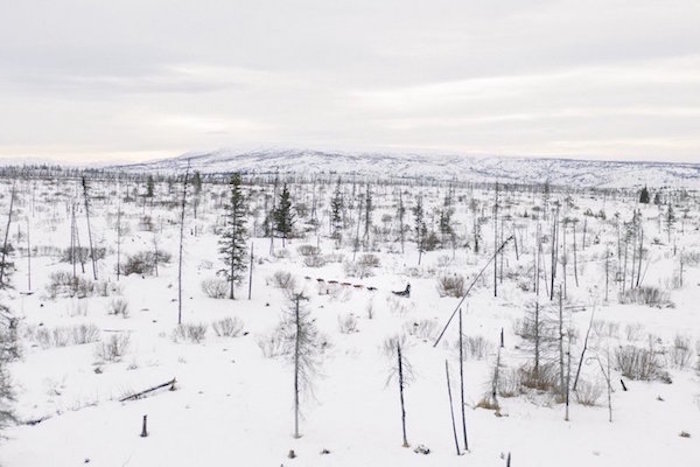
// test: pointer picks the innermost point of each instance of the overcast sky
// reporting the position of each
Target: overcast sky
(133, 80)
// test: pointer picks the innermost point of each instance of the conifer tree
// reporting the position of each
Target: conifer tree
(419, 227)
(337, 215)
(644, 196)
(233, 241)
(284, 216)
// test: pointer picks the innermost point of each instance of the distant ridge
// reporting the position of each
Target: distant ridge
(581, 173)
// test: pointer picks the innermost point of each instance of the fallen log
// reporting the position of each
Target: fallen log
(138, 395)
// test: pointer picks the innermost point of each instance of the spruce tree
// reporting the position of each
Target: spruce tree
(337, 215)
(232, 244)
(283, 215)
(644, 196)
(419, 227)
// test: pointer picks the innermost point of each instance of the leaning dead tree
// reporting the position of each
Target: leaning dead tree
(3, 262)
(140, 394)
(464, 297)
(86, 200)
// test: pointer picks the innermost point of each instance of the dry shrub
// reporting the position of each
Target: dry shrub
(272, 345)
(646, 295)
(194, 333)
(546, 378)
(451, 286)
(215, 288)
(509, 382)
(681, 353)
(638, 363)
(85, 334)
(119, 306)
(228, 327)
(114, 349)
(283, 280)
(308, 250)
(347, 323)
(588, 393)
(475, 347)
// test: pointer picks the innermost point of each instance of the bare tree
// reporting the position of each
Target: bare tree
(4, 265)
(401, 372)
(183, 204)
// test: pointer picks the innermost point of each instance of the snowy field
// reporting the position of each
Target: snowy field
(79, 340)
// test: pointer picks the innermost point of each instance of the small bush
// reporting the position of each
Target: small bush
(81, 254)
(681, 353)
(451, 286)
(423, 329)
(308, 250)
(195, 333)
(144, 262)
(114, 349)
(314, 261)
(119, 306)
(638, 363)
(509, 384)
(362, 267)
(475, 347)
(216, 288)
(85, 334)
(272, 345)
(647, 295)
(588, 393)
(369, 260)
(347, 324)
(546, 378)
(283, 280)
(61, 336)
(633, 331)
(227, 327)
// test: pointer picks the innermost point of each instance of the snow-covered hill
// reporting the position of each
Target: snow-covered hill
(475, 168)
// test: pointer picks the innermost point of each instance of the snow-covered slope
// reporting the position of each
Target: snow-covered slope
(505, 169)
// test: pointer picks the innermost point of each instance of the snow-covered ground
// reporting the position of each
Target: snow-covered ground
(233, 405)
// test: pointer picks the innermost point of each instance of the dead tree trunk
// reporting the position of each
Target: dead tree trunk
(182, 234)
(29, 259)
(86, 199)
(461, 382)
(7, 234)
(401, 386)
(250, 272)
(297, 348)
(452, 411)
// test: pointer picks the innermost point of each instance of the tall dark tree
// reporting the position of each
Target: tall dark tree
(337, 215)
(232, 244)
(284, 215)
(419, 227)
(644, 196)
(150, 187)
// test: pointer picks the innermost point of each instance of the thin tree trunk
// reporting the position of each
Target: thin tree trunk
(7, 234)
(87, 216)
(495, 241)
(452, 412)
(575, 258)
(297, 346)
(461, 382)
(561, 342)
(641, 250)
(29, 259)
(403, 409)
(183, 203)
(250, 272)
(583, 351)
